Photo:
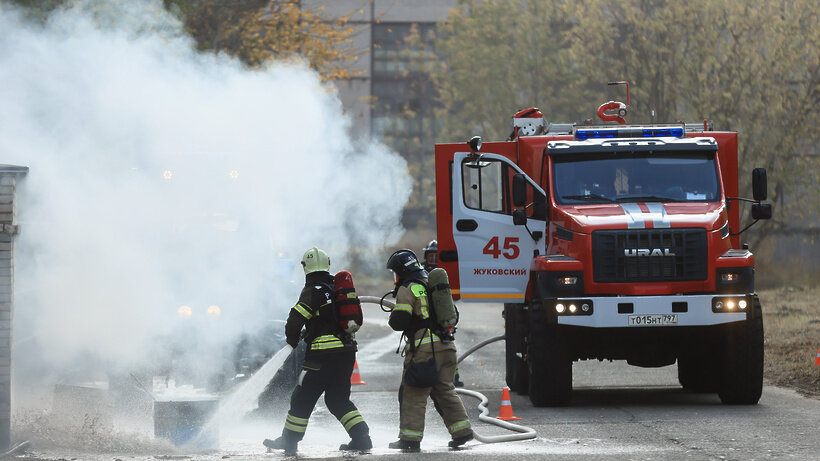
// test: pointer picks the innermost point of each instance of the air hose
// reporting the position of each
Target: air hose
(526, 433)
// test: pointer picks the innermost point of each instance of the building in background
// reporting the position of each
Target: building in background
(392, 97)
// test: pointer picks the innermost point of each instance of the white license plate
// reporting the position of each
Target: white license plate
(653, 320)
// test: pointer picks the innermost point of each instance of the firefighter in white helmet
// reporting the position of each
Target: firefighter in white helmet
(413, 317)
(329, 361)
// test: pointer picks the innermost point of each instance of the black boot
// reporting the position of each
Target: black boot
(282, 443)
(362, 443)
(410, 446)
(459, 441)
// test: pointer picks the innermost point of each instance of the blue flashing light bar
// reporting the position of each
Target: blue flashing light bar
(632, 132)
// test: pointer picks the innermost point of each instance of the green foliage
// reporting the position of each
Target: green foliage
(260, 31)
(499, 56)
(37, 10)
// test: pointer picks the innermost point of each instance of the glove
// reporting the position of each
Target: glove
(292, 341)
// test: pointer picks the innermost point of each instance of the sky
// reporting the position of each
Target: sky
(161, 177)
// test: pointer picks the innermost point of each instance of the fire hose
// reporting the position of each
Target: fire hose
(526, 433)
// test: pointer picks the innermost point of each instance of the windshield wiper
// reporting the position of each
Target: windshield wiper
(646, 198)
(589, 197)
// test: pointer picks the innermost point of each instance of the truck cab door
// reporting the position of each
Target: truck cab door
(494, 253)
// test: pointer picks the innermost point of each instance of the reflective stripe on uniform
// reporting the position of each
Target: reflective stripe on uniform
(459, 426)
(351, 419)
(295, 424)
(403, 308)
(420, 292)
(325, 342)
(302, 310)
(407, 434)
(426, 339)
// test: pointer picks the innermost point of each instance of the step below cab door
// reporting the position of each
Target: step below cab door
(499, 220)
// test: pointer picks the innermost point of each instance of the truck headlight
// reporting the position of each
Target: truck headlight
(574, 307)
(729, 304)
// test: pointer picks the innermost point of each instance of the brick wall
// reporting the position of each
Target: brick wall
(9, 176)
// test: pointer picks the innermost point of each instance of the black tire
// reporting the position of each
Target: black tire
(699, 374)
(742, 381)
(550, 368)
(515, 333)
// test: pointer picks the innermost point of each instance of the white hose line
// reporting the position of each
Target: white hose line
(526, 433)
(377, 300)
(479, 346)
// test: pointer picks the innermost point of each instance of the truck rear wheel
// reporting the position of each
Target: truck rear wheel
(550, 368)
(514, 338)
(742, 381)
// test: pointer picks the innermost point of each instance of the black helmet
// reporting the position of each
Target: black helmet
(405, 265)
(431, 255)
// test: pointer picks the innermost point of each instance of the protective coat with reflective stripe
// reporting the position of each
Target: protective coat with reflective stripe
(315, 311)
(410, 315)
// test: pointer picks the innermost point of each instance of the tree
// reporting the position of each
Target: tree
(260, 31)
(500, 56)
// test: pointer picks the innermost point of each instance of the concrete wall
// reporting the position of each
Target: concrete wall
(8, 230)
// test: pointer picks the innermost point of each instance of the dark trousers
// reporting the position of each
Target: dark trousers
(328, 373)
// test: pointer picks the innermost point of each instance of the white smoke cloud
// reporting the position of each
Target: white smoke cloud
(104, 105)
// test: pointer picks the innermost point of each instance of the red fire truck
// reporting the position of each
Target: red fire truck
(612, 242)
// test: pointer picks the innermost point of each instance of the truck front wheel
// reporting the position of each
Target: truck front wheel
(550, 380)
(742, 381)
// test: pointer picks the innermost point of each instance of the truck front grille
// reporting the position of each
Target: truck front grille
(649, 255)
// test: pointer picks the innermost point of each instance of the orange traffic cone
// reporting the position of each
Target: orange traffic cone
(817, 360)
(505, 413)
(356, 378)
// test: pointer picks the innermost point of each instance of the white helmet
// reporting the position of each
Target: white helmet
(315, 260)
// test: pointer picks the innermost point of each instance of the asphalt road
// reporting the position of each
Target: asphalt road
(617, 412)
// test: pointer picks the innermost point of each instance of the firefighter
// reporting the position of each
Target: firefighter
(431, 255)
(425, 340)
(329, 360)
(430, 263)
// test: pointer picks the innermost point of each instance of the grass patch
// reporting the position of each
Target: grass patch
(791, 325)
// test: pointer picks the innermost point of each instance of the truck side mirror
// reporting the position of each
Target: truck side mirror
(762, 210)
(519, 190)
(759, 185)
(519, 217)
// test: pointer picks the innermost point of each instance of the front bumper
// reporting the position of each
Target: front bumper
(650, 311)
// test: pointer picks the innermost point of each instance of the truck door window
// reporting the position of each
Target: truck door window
(487, 185)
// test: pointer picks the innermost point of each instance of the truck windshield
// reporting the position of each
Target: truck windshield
(615, 178)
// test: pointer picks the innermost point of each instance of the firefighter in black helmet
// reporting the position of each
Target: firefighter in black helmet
(431, 256)
(414, 317)
(329, 361)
